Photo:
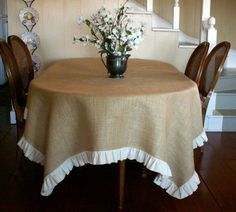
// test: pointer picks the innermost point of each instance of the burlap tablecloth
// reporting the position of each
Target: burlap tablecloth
(77, 115)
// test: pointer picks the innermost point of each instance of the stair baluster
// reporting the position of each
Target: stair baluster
(176, 14)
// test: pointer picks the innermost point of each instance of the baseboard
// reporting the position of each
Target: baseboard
(217, 123)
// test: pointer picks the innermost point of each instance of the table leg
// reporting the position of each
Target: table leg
(16, 170)
(121, 183)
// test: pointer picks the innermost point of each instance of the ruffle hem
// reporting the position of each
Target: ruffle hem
(113, 156)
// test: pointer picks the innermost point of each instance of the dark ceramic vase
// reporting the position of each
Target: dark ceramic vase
(116, 65)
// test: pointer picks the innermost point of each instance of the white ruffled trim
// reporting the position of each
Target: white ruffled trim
(100, 158)
(113, 156)
(95, 158)
(199, 141)
(178, 192)
(30, 152)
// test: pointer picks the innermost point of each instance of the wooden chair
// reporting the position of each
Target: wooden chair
(211, 71)
(23, 59)
(17, 93)
(195, 63)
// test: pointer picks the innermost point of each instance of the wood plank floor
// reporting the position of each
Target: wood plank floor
(95, 188)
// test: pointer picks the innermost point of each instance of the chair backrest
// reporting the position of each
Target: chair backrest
(17, 93)
(23, 59)
(212, 68)
(195, 63)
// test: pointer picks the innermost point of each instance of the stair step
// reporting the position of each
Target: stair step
(230, 112)
(226, 92)
(139, 12)
(227, 80)
(221, 123)
(225, 100)
(187, 45)
(158, 29)
(228, 72)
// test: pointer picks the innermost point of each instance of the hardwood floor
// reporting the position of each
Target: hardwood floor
(95, 188)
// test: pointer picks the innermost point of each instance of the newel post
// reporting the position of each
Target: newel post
(149, 5)
(176, 14)
(212, 32)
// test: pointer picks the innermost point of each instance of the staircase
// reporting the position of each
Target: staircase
(221, 112)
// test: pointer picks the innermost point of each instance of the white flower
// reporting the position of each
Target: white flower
(108, 18)
(130, 44)
(113, 34)
(97, 44)
(118, 53)
(86, 38)
(81, 20)
(114, 31)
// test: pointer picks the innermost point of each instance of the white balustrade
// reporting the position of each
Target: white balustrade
(208, 31)
(176, 15)
(149, 5)
(206, 14)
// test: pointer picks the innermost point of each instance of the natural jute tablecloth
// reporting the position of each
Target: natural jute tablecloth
(77, 115)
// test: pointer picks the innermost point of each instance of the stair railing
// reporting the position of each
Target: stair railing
(208, 31)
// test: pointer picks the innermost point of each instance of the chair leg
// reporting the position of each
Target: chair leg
(144, 172)
(17, 161)
(198, 155)
(121, 184)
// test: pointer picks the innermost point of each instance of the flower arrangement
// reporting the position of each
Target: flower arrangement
(113, 34)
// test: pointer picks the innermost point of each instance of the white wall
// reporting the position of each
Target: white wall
(57, 26)
(225, 14)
